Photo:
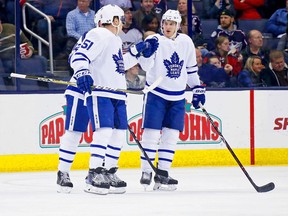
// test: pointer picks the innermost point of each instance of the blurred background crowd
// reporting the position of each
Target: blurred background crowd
(239, 43)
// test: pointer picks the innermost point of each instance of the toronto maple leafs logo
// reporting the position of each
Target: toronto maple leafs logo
(118, 59)
(174, 66)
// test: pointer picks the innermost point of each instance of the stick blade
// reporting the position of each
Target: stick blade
(266, 188)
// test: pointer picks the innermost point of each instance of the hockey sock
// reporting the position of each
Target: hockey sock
(67, 150)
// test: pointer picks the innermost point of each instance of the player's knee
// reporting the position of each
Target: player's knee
(169, 136)
(102, 135)
(151, 136)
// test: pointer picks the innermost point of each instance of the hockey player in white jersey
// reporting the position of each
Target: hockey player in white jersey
(97, 59)
(164, 108)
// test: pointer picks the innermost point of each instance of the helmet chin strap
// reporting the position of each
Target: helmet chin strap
(118, 28)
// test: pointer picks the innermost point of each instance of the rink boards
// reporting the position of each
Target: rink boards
(254, 122)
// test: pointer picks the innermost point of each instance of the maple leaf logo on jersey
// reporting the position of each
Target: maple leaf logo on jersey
(174, 66)
(118, 59)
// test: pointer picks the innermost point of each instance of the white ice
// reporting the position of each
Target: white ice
(202, 191)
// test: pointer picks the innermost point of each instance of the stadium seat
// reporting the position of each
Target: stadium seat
(208, 26)
(247, 25)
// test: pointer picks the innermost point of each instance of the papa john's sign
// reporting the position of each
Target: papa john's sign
(197, 129)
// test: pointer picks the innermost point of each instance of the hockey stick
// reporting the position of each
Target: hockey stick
(265, 188)
(62, 82)
(156, 170)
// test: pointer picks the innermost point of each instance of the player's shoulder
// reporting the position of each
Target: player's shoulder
(183, 37)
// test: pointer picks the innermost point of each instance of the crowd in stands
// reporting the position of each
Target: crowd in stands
(229, 57)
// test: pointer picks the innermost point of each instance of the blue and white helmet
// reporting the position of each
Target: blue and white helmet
(97, 19)
(172, 15)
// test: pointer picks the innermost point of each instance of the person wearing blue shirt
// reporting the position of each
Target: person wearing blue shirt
(78, 21)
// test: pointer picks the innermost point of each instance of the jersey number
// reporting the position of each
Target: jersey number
(87, 44)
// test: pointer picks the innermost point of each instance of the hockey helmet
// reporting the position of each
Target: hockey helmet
(172, 15)
(108, 12)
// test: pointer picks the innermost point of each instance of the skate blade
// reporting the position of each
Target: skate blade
(145, 186)
(62, 189)
(117, 190)
(96, 190)
(163, 187)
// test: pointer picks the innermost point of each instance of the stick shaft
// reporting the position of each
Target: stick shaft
(229, 148)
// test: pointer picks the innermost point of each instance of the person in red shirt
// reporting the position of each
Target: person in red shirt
(247, 9)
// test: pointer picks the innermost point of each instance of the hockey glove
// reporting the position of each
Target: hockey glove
(198, 96)
(145, 48)
(84, 80)
(151, 48)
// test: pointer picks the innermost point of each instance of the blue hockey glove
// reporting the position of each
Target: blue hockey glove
(198, 96)
(151, 48)
(84, 80)
(145, 48)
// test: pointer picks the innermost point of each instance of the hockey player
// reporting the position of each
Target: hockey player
(97, 59)
(164, 108)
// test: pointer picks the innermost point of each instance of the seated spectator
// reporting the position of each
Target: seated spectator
(150, 22)
(248, 9)
(7, 49)
(277, 72)
(212, 8)
(146, 8)
(212, 74)
(277, 23)
(250, 75)
(133, 79)
(237, 38)
(78, 21)
(130, 33)
(283, 45)
(225, 56)
(255, 47)
(56, 11)
(120, 3)
(196, 22)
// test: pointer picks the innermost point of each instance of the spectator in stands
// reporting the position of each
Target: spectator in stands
(277, 72)
(196, 22)
(225, 56)
(130, 34)
(255, 47)
(120, 3)
(56, 11)
(248, 9)
(7, 49)
(237, 38)
(151, 23)
(133, 79)
(212, 8)
(78, 21)
(277, 23)
(283, 45)
(146, 8)
(212, 74)
(250, 75)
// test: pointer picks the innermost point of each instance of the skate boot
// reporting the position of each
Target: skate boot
(164, 183)
(146, 179)
(63, 182)
(97, 182)
(117, 186)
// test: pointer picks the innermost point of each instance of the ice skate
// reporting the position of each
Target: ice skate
(117, 186)
(97, 182)
(63, 182)
(164, 183)
(146, 179)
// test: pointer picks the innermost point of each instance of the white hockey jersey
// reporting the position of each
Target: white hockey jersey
(100, 52)
(175, 61)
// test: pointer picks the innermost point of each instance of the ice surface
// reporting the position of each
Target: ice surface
(202, 191)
